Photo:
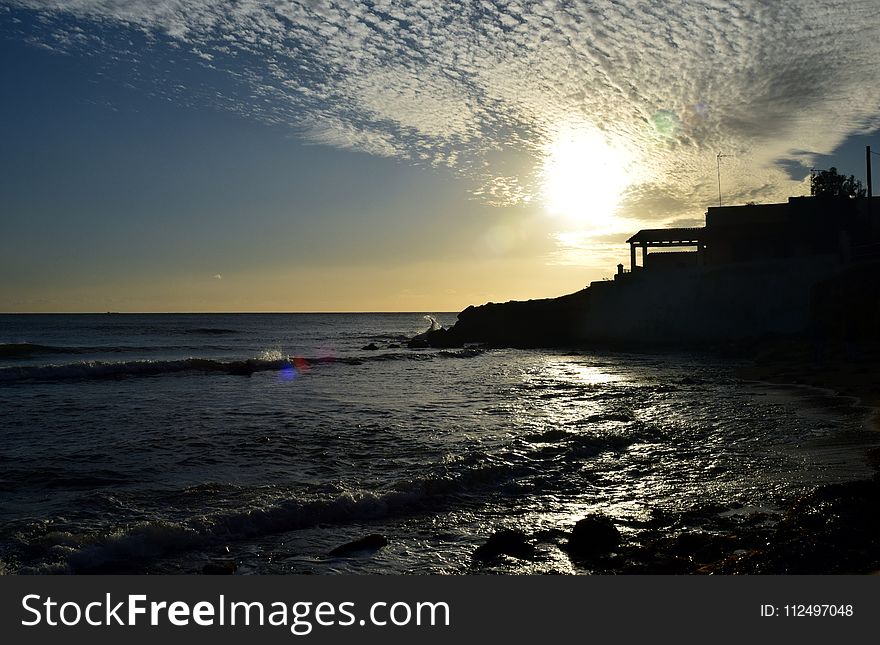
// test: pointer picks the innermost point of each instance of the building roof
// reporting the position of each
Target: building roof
(668, 236)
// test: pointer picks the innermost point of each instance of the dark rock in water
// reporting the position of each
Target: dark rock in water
(833, 530)
(664, 564)
(393, 346)
(371, 347)
(703, 547)
(506, 542)
(440, 338)
(592, 536)
(372, 542)
(552, 322)
(220, 568)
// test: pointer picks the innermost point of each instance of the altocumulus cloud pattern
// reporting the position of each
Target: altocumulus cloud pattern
(484, 87)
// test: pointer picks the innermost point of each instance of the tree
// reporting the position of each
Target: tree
(829, 183)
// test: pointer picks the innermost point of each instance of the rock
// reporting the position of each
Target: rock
(438, 338)
(372, 542)
(593, 536)
(371, 347)
(393, 346)
(552, 322)
(667, 565)
(704, 547)
(220, 568)
(506, 542)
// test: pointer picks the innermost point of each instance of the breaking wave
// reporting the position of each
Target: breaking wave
(85, 553)
(108, 370)
(269, 361)
(459, 482)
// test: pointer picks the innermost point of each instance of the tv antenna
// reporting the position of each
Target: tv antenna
(868, 153)
(718, 162)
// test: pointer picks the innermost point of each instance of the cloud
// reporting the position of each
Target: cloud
(462, 84)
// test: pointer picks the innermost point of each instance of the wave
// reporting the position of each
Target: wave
(58, 478)
(88, 370)
(63, 551)
(382, 337)
(106, 370)
(31, 350)
(434, 324)
(28, 350)
(459, 482)
(94, 553)
(468, 352)
(149, 540)
(210, 331)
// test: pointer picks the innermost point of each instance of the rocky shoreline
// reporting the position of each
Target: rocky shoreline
(828, 531)
(550, 322)
(832, 530)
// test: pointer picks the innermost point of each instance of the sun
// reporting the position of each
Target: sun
(583, 177)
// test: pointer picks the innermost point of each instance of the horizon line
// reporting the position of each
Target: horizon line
(210, 313)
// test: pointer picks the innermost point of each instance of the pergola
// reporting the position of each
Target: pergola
(663, 238)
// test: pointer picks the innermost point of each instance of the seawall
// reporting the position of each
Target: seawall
(679, 306)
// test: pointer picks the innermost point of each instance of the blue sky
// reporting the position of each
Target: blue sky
(301, 156)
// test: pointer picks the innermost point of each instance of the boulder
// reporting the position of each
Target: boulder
(372, 542)
(506, 542)
(438, 338)
(593, 536)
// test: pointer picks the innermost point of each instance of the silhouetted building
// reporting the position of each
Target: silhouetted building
(751, 271)
(801, 227)
(666, 238)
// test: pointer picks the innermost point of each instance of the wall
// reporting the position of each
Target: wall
(708, 304)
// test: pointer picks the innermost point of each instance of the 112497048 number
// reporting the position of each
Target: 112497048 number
(818, 610)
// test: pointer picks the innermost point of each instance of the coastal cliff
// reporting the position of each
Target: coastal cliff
(549, 322)
(817, 299)
(805, 268)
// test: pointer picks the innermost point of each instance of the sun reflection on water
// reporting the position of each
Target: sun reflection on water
(578, 373)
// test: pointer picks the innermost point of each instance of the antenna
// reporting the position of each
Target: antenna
(868, 153)
(718, 161)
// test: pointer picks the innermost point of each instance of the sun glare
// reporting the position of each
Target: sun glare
(583, 177)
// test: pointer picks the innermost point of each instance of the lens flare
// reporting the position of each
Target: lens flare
(287, 372)
(666, 124)
(293, 368)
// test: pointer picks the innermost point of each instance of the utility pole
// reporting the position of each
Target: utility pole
(718, 161)
(868, 165)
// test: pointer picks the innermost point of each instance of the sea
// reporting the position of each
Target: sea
(134, 443)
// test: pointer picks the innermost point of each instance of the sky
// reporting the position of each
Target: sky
(249, 155)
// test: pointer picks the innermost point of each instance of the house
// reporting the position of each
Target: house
(802, 227)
